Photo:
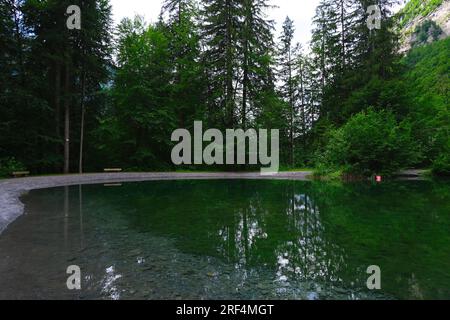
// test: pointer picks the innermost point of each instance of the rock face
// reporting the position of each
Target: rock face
(441, 16)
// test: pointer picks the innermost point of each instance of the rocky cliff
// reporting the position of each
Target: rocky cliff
(423, 17)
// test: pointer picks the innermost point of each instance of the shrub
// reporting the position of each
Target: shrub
(425, 32)
(9, 165)
(371, 143)
(441, 166)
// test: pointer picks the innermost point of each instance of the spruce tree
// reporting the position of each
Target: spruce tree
(289, 78)
(256, 44)
(221, 27)
(74, 62)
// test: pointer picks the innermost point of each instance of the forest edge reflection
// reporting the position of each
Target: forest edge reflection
(321, 234)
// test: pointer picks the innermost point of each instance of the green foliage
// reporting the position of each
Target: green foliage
(371, 142)
(220, 65)
(158, 87)
(354, 63)
(10, 165)
(238, 60)
(45, 67)
(187, 83)
(417, 8)
(425, 32)
(441, 166)
(141, 121)
(427, 79)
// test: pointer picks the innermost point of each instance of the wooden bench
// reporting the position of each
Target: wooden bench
(109, 170)
(112, 185)
(18, 174)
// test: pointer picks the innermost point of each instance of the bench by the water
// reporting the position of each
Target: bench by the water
(110, 170)
(19, 174)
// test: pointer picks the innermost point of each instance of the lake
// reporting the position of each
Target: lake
(231, 239)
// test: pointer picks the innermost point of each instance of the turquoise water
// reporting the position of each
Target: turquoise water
(231, 240)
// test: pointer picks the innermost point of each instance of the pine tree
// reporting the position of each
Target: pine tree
(92, 61)
(289, 77)
(74, 62)
(374, 50)
(256, 44)
(23, 110)
(349, 53)
(220, 31)
(177, 10)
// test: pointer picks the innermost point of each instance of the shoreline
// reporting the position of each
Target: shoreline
(12, 189)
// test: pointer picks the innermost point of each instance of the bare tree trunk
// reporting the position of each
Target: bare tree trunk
(19, 40)
(292, 107)
(83, 113)
(179, 13)
(343, 34)
(229, 66)
(58, 107)
(302, 92)
(67, 121)
(246, 68)
(245, 91)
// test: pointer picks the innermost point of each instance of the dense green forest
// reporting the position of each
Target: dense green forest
(105, 96)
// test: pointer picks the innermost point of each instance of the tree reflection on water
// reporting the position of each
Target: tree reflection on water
(233, 239)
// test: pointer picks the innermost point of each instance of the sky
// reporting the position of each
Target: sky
(300, 11)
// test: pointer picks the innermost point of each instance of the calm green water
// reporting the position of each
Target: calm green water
(231, 239)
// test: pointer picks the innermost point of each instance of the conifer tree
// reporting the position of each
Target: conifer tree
(184, 44)
(221, 27)
(256, 44)
(289, 78)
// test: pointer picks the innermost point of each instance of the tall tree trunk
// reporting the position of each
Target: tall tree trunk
(302, 92)
(292, 106)
(67, 120)
(343, 34)
(18, 35)
(179, 13)
(322, 58)
(57, 97)
(83, 112)
(229, 66)
(245, 89)
(245, 66)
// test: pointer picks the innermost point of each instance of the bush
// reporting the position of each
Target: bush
(371, 143)
(441, 166)
(9, 165)
(425, 31)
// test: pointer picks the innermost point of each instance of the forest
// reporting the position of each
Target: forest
(74, 101)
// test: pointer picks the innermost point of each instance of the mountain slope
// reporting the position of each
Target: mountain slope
(417, 13)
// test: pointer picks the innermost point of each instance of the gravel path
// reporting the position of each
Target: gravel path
(11, 189)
